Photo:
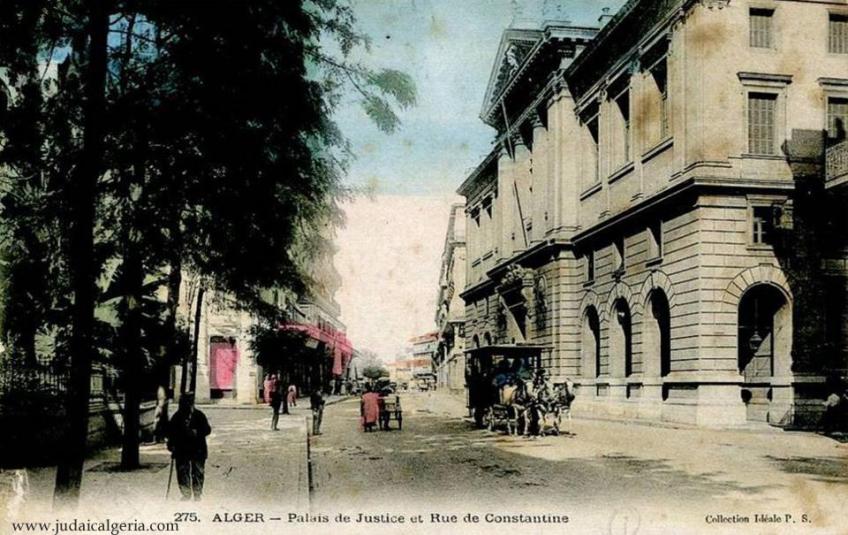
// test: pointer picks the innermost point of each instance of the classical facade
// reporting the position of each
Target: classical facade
(655, 221)
(449, 357)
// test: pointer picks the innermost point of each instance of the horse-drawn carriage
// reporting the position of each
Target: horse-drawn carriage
(508, 387)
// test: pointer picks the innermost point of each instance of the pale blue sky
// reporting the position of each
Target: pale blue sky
(390, 249)
(448, 47)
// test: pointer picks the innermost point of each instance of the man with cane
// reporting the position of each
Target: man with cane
(187, 432)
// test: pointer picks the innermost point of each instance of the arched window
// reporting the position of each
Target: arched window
(656, 339)
(621, 350)
(591, 344)
(764, 349)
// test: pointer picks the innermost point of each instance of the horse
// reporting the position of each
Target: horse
(531, 405)
(560, 405)
(507, 407)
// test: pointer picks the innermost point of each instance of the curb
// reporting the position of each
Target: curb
(337, 400)
(304, 471)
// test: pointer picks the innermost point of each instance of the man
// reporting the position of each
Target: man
(316, 401)
(830, 419)
(187, 432)
(276, 401)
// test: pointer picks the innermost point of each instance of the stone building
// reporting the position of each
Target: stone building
(227, 369)
(654, 221)
(449, 357)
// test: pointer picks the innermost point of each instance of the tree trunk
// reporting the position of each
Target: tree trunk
(133, 354)
(175, 280)
(196, 338)
(171, 347)
(132, 283)
(83, 272)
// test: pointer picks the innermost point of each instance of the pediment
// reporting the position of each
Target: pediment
(515, 47)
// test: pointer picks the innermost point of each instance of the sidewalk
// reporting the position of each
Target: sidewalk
(249, 468)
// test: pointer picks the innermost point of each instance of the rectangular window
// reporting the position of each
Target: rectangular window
(762, 225)
(837, 118)
(761, 35)
(594, 157)
(590, 266)
(660, 75)
(837, 33)
(622, 102)
(655, 244)
(762, 109)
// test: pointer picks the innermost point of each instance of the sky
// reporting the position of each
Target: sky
(390, 250)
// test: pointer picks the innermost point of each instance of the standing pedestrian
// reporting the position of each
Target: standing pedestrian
(160, 428)
(292, 395)
(830, 419)
(316, 401)
(187, 432)
(276, 401)
(370, 409)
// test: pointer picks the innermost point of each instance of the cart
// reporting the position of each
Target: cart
(390, 409)
(481, 368)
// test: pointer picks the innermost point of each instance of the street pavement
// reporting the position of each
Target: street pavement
(606, 476)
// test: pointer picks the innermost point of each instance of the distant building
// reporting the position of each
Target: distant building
(449, 356)
(226, 368)
(655, 221)
(418, 360)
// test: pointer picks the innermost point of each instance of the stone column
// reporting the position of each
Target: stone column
(539, 180)
(518, 192)
(504, 207)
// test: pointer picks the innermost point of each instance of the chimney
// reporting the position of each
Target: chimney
(605, 17)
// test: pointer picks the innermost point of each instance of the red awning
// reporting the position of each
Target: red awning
(337, 341)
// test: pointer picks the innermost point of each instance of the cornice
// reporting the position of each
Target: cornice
(677, 11)
(477, 288)
(470, 185)
(688, 186)
(541, 249)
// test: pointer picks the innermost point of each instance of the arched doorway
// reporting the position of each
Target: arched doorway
(656, 339)
(621, 347)
(764, 347)
(590, 345)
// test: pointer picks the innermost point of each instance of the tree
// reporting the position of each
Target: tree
(374, 372)
(176, 137)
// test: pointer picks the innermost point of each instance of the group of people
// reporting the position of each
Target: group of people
(273, 393)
